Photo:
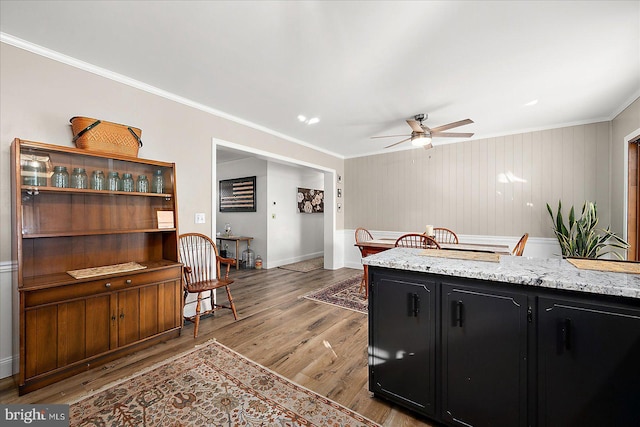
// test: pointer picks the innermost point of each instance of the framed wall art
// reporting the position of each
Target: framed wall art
(238, 195)
(310, 200)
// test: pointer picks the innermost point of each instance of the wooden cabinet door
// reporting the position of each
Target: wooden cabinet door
(149, 310)
(160, 308)
(588, 364)
(98, 325)
(128, 316)
(484, 350)
(402, 339)
(61, 334)
(41, 340)
(169, 305)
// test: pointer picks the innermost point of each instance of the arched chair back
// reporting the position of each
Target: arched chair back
(363, 235)
(202, 275)
(444, 235)
(415, 240)
(519, 248)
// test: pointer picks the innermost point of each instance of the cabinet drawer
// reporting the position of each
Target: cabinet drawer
(80, 290)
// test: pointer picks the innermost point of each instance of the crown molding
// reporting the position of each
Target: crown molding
(85, 66)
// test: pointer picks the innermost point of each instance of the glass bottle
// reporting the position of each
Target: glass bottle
(157, 182)
(60, 177)
(34, 172)
(127, 182)
(97, 180)
(79, 178)
(143, 184)
(113, 181)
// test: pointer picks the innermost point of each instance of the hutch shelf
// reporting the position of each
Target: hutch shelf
(70, 324)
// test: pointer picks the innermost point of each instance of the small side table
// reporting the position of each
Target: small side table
(236, 239)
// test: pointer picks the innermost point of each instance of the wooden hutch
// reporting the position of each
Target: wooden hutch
(70, 324)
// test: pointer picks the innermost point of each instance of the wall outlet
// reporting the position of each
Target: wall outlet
(200, 219)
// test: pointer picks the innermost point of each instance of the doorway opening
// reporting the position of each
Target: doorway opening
(633, 196)
(326, 177)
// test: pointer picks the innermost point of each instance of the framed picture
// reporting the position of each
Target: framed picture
(238, 195)
(310, 201)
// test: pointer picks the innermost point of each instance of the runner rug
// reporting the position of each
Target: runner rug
(343, 294)
(305, 266)
(210, 385)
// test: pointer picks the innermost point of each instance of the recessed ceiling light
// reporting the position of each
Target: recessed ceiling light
(531, 103)
(311, 121)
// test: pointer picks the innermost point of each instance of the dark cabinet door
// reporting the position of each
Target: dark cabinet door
(589, 364)
(402, 332)
(484, 349)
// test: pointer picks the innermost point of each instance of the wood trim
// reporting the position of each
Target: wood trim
(633, 195)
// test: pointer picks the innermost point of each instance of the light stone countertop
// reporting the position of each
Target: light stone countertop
(554, 273)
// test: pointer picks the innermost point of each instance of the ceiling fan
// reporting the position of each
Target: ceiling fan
(421, 135)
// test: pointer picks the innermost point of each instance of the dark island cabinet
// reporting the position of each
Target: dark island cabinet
(484, 356)
(470, 352)
(402, 337)
(589, 364)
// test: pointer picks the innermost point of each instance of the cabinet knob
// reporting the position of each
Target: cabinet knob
(128, 281)
(107, 285)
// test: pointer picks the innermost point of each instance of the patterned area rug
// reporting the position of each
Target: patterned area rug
(305, 266)
(343, 294)
(210, 385)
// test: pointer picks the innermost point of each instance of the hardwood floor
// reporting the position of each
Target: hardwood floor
(318, 346)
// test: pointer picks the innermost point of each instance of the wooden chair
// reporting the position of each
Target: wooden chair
(363, 235)
(444, 235)
(199, 255)
(519, 248)
(415, 240)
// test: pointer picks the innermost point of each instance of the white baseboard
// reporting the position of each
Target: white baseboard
(6, 366)
(285, 261)
(8, 325)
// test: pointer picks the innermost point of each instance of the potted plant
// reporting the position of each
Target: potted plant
(581, 238)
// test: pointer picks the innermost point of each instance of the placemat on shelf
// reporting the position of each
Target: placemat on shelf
(467, 255)
(612, 266)
(105, 269)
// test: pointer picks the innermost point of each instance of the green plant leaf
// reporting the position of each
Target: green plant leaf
(583, 238)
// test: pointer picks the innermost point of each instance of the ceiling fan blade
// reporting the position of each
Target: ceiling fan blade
(387, 136)
(452, 134)
(415, 126)
(399, 142)
(452, 125)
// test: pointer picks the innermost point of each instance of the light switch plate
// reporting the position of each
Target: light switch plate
(200, 218)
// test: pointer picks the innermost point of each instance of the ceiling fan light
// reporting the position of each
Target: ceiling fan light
(420, 140)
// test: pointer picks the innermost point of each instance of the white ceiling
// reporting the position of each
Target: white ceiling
(361, 67)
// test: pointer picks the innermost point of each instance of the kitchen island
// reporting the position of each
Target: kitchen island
(519, 342)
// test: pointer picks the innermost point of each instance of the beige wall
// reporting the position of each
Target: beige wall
(625, 123)
(461, 186)
(40, 95)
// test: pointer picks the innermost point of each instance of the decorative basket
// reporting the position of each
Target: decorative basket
(106, 137)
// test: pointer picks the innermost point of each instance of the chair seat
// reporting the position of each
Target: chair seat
(206, 285)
